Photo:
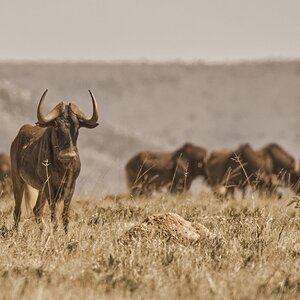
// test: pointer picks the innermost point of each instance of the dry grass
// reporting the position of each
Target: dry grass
(259, 259)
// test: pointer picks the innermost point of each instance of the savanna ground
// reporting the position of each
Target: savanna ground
(260, 256)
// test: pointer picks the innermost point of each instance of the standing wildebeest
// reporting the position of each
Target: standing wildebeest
(46, 158)
(5, 175)
(150, 171)
(228, 169)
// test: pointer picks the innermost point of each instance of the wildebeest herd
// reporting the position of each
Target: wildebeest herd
(225, 171)
(45, 157)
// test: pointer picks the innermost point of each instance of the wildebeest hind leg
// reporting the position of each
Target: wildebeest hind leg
(38, 208)
(30, 199)
(18, 187)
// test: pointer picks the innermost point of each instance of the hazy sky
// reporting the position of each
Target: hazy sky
(149, 29)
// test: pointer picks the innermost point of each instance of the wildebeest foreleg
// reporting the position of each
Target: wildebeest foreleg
(53, 215)
(230, 192)
(177, 186)
(67, 196)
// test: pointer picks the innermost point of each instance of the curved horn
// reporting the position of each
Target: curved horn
(92, 122)
(56, 111)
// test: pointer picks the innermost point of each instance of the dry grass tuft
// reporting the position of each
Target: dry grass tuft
(169, 227)
(259, 258)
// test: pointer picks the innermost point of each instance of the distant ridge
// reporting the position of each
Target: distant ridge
(157, 106)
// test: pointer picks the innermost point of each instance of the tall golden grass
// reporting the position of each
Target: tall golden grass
(260, 257)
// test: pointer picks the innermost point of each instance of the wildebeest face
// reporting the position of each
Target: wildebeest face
(196, 157)
(66, 121)
(198, 162)
(66, 129)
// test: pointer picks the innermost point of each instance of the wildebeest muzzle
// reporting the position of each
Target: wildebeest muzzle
(67, 155)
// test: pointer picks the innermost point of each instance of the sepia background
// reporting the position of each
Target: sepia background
(164, 72)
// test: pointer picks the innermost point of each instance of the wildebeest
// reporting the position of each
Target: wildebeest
(283, 164)
(228, 169)
(151, 171)
(5, 175)
(45, 157)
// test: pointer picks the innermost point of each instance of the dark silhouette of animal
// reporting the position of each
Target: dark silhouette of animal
(283, 164)
(147, 172)
(45, 157)
(5, 175)
(228, 170)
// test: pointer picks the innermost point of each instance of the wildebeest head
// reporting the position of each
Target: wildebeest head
(66, 119)
(195, 157)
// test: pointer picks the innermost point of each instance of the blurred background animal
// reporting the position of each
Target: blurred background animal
(228, 170)
(283, 163)
(147, 172)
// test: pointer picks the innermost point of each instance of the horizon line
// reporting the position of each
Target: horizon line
(154, 61)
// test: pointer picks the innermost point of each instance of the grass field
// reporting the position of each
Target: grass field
(260, 257)
(215, 106)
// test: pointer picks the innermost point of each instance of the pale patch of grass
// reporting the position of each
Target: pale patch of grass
(260, 257)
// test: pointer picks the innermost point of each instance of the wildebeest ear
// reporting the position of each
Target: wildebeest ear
(81, 124)
(41, 124)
